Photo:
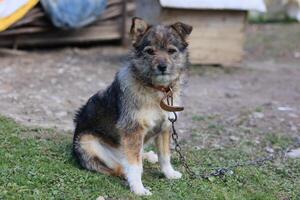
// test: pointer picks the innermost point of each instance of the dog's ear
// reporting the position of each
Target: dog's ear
(138, 29)
(184, 30)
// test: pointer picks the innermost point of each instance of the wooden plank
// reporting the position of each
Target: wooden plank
(31, 31)
(222, 32)
(216, 51)
(113, 3)
(28, 19)
(123, 23)
(231, 47)
(12, 52)
(218, 36)
(89, 34)
(116, 11)
(24, 30)
(204, 17)
(215, 56)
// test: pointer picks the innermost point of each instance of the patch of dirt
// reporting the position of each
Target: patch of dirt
(44, 88)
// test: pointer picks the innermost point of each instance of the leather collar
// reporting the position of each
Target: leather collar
(166, 103)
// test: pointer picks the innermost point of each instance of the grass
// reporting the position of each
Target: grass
(36, 167)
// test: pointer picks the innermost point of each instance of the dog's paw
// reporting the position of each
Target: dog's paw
(141, 191)
(150, 157)
(172, 174)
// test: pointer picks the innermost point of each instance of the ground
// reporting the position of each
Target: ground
(230, 114)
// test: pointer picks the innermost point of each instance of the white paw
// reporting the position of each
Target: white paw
(172, 174)
(141, 191)
(150, 157)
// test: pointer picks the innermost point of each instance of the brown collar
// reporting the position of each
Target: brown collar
(163, 89)
(168, 97)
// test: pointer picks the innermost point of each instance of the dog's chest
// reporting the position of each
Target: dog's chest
(153, 120)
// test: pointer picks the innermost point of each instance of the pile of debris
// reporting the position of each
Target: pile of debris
(36, 29)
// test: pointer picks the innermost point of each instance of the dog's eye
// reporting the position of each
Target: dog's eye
(150, 51)
(172, 51)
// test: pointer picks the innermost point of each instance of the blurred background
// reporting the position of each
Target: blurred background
(245, 59)
(241, 100)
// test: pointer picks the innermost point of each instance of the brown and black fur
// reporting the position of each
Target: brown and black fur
(112, 127)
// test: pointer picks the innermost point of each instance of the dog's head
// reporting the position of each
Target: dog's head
(160, 52)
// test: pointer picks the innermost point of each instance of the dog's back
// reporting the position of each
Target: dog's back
(98, 117)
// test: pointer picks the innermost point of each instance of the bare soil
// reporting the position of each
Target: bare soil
(44, 87)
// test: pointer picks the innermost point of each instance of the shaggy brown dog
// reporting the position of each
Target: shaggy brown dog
(113, 126)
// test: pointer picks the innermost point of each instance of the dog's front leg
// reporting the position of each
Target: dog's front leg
(164, 155)
(133, 162)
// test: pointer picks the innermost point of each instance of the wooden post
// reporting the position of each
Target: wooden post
(123, 23)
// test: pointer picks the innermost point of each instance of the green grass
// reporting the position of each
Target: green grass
(36, 167)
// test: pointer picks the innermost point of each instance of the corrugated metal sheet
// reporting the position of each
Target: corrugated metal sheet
(257, 5)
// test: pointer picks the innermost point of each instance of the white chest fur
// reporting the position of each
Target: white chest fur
(151, 117)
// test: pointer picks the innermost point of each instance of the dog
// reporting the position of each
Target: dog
(115, 124)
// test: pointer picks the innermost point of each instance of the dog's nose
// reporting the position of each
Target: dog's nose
(162, 67)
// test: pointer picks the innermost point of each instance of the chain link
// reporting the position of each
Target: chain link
(222, 171)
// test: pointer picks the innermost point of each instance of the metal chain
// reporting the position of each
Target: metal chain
(178, 148)
(222, 171)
